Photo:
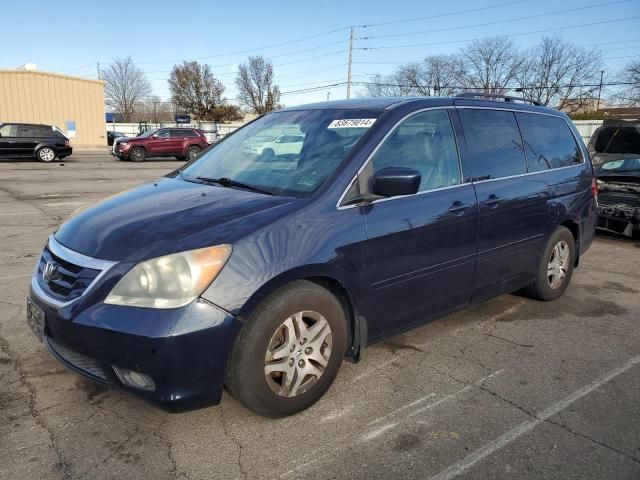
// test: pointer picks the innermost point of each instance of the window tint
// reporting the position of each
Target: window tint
(182, 133)
(163, 133)
(548, 142)
(493, 142)
(424, 142)
(25, 131)
(9, 130)
(46, 132)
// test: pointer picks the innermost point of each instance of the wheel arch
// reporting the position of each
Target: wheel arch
(42, 145)
(338, 287)
(574, 228)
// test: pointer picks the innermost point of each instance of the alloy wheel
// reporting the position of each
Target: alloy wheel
(558, 264)
(46, 154)
(298, 353)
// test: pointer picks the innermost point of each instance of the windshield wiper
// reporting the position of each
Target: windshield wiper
(229, 182)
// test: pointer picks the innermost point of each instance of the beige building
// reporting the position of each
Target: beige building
(75, 105)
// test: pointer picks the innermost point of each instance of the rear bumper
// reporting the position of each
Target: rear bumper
(183, 350)
(64, 152)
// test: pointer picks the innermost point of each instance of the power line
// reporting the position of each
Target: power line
(496, 22)
(566, 27)
(440, 15)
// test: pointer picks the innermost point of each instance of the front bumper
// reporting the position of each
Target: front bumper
(183, 350)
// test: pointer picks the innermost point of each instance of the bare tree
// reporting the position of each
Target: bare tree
(630, 93)
(195, 90)
(126, 85)
(256, 90)
(491, 64)
(153, 110)
(435, 76)
(558, 73)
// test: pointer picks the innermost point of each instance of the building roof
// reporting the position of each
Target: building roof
(50, 74)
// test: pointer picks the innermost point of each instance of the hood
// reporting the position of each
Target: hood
(167, 216)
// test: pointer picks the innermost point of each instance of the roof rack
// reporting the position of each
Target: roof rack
(495, 96)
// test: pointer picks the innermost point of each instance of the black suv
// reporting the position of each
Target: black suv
(28, 140)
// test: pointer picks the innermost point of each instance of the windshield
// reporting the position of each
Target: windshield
(625, 165)
(285, 153)
(148, 133)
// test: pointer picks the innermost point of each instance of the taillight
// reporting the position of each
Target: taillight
(594, 188)
(66, 143)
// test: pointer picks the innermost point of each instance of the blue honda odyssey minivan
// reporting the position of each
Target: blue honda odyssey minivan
(260, 269)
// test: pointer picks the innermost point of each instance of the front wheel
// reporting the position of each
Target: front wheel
(289, 352)
(556, 266)
(46, 154)
(138, 154)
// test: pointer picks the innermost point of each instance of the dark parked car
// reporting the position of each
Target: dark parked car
(111, 137)
(619, 196)
(182, 143)
(27, 140)
(263, 276)
(615, 140)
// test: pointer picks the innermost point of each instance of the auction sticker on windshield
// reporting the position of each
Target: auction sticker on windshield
(352, 122)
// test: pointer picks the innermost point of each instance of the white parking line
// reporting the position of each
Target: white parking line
(525, 427)
(15, 276)
(18, 213)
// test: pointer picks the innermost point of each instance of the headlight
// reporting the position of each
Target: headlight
(171, 281)
(122, 144)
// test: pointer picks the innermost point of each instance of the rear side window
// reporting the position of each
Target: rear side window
(182, 133)
(548, 142)
(493, 142)
(426, 143)
(25, 131)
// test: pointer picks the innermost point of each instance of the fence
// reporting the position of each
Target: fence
(585, 127)
(133, 129)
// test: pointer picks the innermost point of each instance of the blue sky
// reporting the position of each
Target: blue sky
(72, 36)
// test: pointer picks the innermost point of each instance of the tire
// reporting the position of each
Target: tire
(46, 154)
(551, 285)
(181, 158)
(138, 154)
(266, 342)
(192, 152)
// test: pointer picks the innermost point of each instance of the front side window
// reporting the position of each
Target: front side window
(548, 142)
(424, 142)
(493, 142)
(163, 134)
(9, 130)
(250, 155)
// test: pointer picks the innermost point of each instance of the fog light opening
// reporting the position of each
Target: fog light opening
(134, 379)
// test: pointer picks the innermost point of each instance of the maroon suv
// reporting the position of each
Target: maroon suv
(182, 143)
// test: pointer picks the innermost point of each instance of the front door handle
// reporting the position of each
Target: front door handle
(457, 208)
(493, 201)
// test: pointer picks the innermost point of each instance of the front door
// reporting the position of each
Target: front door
(160, 144)
(421, 248)
(9, 140)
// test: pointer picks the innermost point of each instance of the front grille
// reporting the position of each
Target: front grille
(619, 198)
(76, 360)
(62, 279)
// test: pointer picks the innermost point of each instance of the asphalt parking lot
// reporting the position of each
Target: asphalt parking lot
(512, 388)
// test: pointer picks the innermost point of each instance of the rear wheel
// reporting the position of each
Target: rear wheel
(289, 352)
(192, 152)
(46, 154)
(556, 267)
(138, 154)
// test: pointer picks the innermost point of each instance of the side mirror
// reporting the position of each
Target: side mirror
(396, 181)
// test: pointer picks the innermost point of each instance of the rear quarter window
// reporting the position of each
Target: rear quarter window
(548, 142)
(493, 143)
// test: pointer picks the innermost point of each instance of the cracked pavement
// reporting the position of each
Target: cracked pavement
(512, 388)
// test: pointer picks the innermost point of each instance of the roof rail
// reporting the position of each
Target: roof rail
(495, 96)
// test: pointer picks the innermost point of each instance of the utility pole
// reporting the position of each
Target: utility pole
(98, 65)
(328, 96)
(600, 89)
(349, 70)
